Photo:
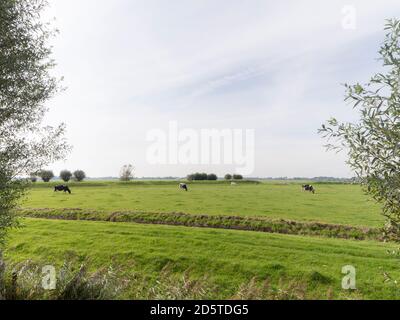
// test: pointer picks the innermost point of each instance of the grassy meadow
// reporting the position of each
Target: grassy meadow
(332, 203)
(230, 259)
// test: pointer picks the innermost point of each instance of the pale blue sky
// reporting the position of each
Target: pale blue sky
(273, 66)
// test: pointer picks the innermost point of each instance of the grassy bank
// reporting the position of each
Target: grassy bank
(262, 224)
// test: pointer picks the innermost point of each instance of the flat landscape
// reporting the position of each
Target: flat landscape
(332, 203)
(231, 260)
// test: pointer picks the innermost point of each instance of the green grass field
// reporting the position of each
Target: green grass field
(228, 257)
(333, 203)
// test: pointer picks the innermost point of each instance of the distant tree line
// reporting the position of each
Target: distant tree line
(65, 175)
(202, 176)
(229, 176)
(315, 179)
(126, 174)
(212, 176)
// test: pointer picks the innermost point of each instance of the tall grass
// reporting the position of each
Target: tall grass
(24, 282)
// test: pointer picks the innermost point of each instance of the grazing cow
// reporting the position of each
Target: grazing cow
(308, 187)
(183, 186)
(62, 188)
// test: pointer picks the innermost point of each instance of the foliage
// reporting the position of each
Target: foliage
(126, 173)
(200, 176)
(33, 177)
(373, 142)
(46, 175)
(25, 85)
(228, 176)
(11, 190)
(212, 176)
(237, 177)
(79, 175)
(66, 175)
(24, 282)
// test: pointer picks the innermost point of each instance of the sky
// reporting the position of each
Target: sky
(273, 68)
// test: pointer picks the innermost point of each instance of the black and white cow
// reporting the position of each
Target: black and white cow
(183, 186)
(62, 188)
(308, 187)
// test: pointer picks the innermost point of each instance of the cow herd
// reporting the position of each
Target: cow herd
(305, 187)
(182, 186)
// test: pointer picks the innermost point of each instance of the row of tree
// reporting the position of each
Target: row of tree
(212, 176)
(126, 174)
(202, 176)
(65, 175)
(229, 176)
